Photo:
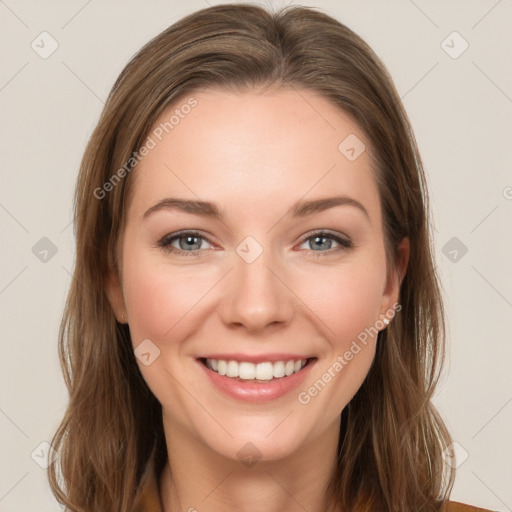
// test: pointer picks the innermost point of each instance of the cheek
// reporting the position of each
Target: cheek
(348, 302)
(347, 299)
(158, 298)
(160, 301)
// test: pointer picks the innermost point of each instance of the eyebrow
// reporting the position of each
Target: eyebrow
(299, 209)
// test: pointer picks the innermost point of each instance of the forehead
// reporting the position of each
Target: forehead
(253, 148)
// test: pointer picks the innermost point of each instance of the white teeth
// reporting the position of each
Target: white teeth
(246, 371)
(264, 371)
(232, 370)
(261, 371)
(279, 369)
(222, 366)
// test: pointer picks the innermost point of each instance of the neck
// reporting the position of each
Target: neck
(197, 478)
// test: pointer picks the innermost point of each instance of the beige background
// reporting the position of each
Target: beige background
(461, 110)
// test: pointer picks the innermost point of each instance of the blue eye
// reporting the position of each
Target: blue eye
(191, 243)
(321, 243)
(188, 242)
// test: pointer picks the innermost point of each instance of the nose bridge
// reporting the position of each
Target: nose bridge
(255, 297)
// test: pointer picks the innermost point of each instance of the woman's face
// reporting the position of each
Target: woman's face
(231, 252)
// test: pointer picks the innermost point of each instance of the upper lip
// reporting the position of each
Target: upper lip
(257, 358)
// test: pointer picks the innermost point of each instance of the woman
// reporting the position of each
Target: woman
(255, 321)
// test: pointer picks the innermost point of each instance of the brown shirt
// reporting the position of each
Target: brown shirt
(148, 499)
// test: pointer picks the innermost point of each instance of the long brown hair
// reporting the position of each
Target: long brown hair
(391, 439)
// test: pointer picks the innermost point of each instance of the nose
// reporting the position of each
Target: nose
(256, 295)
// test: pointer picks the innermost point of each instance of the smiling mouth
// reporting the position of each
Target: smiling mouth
(244, 371)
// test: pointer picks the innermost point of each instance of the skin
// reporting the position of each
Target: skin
(254, 154)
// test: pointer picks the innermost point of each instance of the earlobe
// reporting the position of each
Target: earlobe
(114, 292)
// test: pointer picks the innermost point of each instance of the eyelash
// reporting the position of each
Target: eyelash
(345, 243)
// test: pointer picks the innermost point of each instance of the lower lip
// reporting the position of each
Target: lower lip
(257, 391)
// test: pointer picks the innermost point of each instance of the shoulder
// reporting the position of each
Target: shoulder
(454, 506)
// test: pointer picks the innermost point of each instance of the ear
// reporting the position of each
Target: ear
(396, 276)
(114, 291)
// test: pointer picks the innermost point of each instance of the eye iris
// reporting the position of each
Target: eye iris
(317, 238)
(190, 242)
